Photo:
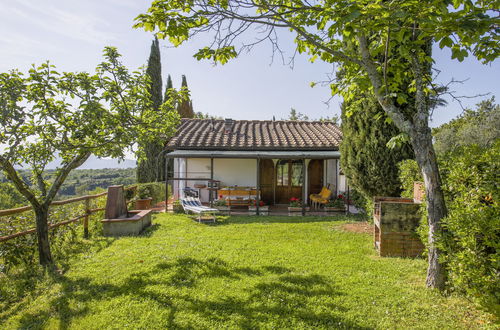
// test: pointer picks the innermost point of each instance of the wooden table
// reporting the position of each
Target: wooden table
(231, 196)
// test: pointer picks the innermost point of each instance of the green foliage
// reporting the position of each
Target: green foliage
(471, 237)
(408, 174)
(154, 190)
(294, 115)
(19, 269)
(480, 126)
(472, 227)
(177, 207)
(220, 202)
(47, 114)
(78, 183)
(10, 197)
(270, 272)
(368, 162)
(362, 203)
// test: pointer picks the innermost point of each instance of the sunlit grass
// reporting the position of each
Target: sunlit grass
(244, 272)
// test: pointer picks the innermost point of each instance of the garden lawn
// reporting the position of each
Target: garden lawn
(244, 272)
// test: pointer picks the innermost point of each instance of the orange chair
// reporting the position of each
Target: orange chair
(322, 198)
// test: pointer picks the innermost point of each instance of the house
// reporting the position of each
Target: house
(282, 159)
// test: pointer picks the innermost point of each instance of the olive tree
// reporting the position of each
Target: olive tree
(47, 115)
(396, 31)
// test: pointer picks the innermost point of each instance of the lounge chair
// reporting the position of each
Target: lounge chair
(191, 204)
(322, 198)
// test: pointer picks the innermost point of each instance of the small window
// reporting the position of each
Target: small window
(297, 168)
(282, 173)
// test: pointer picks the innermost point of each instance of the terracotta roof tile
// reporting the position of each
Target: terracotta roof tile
(256, 135)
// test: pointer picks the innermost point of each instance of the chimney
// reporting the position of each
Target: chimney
(228, 125)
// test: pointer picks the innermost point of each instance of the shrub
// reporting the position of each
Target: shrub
(177, 207)
(471, 231)
(220, 202)
(408, 174)
(471, 241)
(155, 190)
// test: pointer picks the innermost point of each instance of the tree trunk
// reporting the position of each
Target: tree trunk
(436, 208)
(42, 231)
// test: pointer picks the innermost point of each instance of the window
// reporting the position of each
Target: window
(282, 173)
(289, 172)
(297, 173)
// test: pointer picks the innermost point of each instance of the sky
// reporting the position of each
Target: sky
(72, 34)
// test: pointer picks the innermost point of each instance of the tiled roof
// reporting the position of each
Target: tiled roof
(203, 134)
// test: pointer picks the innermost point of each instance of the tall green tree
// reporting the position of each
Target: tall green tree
(70, 116)
(151, 167)
(168, 88)
(367, 160)
(396, 30)
(185, 108)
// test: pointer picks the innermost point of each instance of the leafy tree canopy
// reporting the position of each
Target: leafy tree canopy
(480, 126)
(47, 114)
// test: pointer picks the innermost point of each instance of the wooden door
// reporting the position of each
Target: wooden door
(315, 176)
(267, 180)
(288, 180)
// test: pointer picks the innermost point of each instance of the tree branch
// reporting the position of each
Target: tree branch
(21, 186)
(62, 174)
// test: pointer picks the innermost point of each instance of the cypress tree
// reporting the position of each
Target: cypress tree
(185, 108)
(167, 88)
(367, 161)
(151, 169)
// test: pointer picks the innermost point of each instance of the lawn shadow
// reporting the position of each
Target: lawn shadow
(278, 296)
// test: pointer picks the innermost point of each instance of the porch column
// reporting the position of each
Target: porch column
(275, 161)
(166, 185)
(211, 185)
(257, 201)
(304, 168)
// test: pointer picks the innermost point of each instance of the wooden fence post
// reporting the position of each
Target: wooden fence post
(86, 219)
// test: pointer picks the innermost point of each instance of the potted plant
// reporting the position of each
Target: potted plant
(263, 208)
(177, 207)
(222, 206)
(295, 207)
(144, 197)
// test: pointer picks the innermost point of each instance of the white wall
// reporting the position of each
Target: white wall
(331, 173)
(241, 172)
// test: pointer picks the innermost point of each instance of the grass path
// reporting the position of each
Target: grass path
(246, 272)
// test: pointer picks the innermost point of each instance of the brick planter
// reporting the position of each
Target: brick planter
(329, 210)
(396, 221)
(296, 211)
(263, 210)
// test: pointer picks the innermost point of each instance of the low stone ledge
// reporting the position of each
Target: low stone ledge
(133, 224)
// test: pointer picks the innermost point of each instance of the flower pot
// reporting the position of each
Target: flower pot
(143, 204)
(296, 210)
(263, 210)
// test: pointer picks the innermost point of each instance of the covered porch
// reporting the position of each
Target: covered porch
(244, 177)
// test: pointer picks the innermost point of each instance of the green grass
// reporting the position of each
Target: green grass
(245, 272)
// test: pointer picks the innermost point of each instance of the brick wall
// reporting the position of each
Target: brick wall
(396, 221)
